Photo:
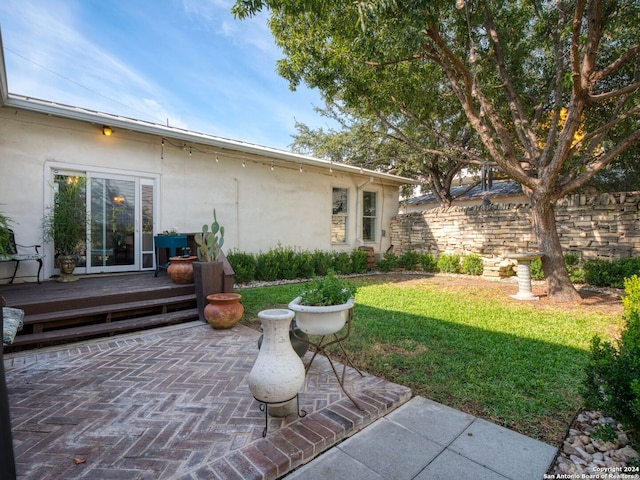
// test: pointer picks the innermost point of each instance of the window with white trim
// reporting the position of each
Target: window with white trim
(339, 215)
(369, 216)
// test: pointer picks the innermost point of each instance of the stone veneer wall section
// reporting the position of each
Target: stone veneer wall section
(604, 225)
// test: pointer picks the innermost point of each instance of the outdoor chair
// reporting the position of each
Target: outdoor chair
(12, 255)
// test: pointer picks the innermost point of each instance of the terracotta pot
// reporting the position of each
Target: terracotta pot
(224, 310)
(180, 269)
(208, 278)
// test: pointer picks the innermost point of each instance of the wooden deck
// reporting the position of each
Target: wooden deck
(97, 306)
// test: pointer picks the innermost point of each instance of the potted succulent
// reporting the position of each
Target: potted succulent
(208, 277)
(66, 225)
(323, 306)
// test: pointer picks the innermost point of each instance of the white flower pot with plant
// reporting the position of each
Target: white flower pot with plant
(323, 307)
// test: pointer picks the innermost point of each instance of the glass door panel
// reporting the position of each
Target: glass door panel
(146, 188)
(113, 243)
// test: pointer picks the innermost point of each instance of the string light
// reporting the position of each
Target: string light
(272, 166)
(244, 163)
(217, 159)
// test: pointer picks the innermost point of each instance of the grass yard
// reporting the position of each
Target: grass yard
(465, 343)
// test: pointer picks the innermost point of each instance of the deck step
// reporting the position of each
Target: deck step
(101, 329)
(106, 310)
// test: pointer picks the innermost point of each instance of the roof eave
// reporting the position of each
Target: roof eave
(114, 121)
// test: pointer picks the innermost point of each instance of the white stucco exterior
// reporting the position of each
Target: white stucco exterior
(261, 196)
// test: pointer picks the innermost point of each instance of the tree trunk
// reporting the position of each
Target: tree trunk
(559, 286)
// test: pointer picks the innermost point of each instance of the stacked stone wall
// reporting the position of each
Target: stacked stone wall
(605, 226)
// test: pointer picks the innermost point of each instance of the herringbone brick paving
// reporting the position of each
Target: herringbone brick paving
(173, 403)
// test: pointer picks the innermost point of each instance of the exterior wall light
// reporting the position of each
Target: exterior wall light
(107, 131)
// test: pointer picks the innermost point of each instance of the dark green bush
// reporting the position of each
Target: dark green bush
(428, 262)
(613, 371)
(342, 263)
(388, 262)
(305, 265)
(610, 273)
(244, 266)
(359, 260)
(449, 263)
(321, 262)
(409, 260)
(267, 266)
(472, 265)
(535, 267)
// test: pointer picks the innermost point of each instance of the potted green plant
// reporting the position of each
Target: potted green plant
(66, 225)
(208, 271)
(322, 308)
(5, 225)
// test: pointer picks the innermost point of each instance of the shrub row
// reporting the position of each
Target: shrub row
(598, 272)
(289, 263)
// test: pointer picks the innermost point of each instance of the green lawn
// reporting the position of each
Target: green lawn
(471, 348)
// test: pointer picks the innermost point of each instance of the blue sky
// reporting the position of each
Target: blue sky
(188, 62)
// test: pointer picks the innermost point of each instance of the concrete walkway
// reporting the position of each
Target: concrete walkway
(173, 403)
(426, 440)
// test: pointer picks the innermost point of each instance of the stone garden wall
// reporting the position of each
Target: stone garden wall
(604, 225)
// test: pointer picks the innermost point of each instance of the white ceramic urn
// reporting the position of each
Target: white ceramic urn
(278, 374)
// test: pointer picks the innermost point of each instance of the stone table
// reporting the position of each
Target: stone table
(524, 274)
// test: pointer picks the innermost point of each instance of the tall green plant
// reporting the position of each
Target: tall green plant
(209, 243)
(5, 225)
(66, 221)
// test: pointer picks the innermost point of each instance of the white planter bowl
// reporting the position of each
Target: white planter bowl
(325, 320)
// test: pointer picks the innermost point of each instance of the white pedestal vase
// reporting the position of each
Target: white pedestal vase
(278, 374)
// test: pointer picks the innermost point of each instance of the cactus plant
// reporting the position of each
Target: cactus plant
(209, 242)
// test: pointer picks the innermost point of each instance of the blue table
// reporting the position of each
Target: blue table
(171, 243)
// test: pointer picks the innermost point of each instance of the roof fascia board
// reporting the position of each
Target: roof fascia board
(140, 126)
(4, 91)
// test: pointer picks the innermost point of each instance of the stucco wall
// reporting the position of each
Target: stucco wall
(606, 226)
(259, 206)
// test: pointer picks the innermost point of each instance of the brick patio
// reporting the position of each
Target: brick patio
(173, 403)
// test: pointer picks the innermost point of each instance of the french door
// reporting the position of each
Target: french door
(120, 209)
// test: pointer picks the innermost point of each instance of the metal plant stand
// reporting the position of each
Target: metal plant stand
(264, 408)
(321, 347)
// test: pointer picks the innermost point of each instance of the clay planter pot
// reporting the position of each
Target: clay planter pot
(180, 269)
(224, 310)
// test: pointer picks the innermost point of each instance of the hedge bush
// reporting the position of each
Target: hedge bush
(610, 273)
(428, 262)
(472, 264)
(613, 372)
(409, 260)
(449, 263)
(388, 262)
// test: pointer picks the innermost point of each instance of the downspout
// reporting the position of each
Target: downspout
(237, 210)
(358, 240)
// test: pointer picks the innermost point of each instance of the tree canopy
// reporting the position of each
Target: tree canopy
(549, 91)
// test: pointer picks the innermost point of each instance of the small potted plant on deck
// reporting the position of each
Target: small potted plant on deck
(323, 306)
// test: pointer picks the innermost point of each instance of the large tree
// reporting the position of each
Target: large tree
(551, 89)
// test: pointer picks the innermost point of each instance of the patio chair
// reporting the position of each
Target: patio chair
(12, 255)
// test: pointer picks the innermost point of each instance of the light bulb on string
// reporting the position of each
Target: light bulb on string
(217, 159)
(272, 166)
(244, 163)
